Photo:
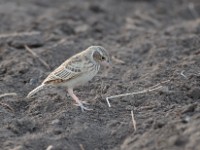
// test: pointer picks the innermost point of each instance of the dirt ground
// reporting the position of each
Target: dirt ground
(151, 41)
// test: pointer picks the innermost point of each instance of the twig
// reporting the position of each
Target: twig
(133, 120)
(195, 74)
(133, 93)
(49, 147)
(4, 104)
(8, 94)
(59, 42)
(131, 25)
(108, 102)
(148, 18)
(147, 107)
(159, 84)
(36, 56)
(81, 147)
(18, 34)
(189, 74)
(182, 73)
(153, 88)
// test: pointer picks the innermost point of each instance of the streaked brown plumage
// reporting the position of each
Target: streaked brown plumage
(76, 71)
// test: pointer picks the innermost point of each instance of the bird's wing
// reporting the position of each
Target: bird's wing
(68, 70)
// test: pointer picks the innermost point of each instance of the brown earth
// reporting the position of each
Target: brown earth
(156, 40)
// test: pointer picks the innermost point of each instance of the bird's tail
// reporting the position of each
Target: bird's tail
(34, 91)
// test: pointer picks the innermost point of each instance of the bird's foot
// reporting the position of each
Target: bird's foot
(85, 102)
(82, 106)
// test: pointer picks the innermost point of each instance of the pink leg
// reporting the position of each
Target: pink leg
(79, 103)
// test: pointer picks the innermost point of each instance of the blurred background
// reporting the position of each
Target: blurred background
(150, 41)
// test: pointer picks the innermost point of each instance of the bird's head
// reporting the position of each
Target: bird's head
(100, 55)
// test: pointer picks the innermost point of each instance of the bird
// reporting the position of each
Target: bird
(76, 71)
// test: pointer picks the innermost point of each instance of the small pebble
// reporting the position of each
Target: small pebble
(190, 108)
(33, 81)
(194, 93)
(159, 124)
(186, 119)
(56, 121)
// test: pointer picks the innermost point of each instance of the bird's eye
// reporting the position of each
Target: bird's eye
(103, 58)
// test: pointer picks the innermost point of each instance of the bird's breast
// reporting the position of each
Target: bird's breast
(82, 79)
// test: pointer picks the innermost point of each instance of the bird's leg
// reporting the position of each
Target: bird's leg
(79, 103)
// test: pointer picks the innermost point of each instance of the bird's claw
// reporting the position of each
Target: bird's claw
(83, 107)
(84, 102)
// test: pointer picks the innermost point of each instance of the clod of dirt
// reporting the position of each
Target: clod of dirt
(194, 93)
(65, 28)
(96, 8)
(22, 126)
(181, 140)
(33, 81)
(81, 28)
(55, 122)
(32, 39)
(186, 119)
(159, 124)
(58, 131)
(190, 108)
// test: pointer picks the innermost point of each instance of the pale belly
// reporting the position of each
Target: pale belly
(79, 80)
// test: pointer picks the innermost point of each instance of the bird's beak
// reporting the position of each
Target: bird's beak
(106, 64)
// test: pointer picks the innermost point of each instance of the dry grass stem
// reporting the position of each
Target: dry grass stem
(18, 34)
(194, 74)
(8, 94)
(108, 102)
(6, 105)
(182, 73)
(81, 147)
(163, 82)
(147, 107)
(49, 147)
(189, 74)
(36, 56)
(148, 18)
(133, 120)
(59, 42)
(153, 88)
